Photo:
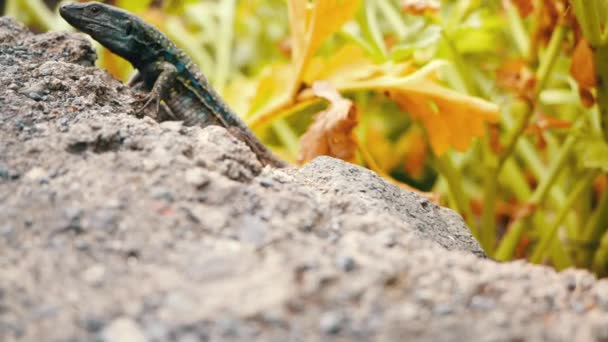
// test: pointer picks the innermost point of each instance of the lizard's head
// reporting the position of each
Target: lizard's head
(112, 27)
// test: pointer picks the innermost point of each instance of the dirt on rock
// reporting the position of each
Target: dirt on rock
(115, 228)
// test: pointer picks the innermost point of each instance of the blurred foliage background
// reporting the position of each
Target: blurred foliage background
(497, 109)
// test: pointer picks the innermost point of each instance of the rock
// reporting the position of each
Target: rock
(123, 329)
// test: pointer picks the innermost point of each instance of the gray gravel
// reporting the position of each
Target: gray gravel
(114, 228)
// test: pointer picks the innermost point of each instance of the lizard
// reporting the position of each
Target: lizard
(164, 70)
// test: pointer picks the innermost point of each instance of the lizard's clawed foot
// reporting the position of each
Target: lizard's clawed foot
(151, 98)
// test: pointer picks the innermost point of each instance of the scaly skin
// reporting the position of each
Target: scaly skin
(164, 70)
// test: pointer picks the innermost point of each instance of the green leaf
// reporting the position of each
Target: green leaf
(592, 153)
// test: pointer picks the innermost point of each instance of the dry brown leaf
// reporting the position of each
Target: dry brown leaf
(552, 13)
(515, 75)
(582, 68)
(544, 123)
(331, 133)
(583, 71)
(420, 7)
(524, 7)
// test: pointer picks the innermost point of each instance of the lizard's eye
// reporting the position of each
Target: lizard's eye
(95, 9)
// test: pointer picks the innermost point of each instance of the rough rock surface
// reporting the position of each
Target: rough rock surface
(114, 228)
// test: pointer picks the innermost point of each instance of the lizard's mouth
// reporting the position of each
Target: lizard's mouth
(90, 25)
(84, 23)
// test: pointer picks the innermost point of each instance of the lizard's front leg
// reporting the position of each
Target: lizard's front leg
(163, 83)
(137, 82)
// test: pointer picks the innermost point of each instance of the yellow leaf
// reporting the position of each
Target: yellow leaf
(349, 62)
(271, 91)
(311, 24)
(450, 118)
(331, 133)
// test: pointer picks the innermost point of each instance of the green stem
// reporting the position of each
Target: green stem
(12, 8)
(600, 57)
(488, 219)
(507, 246)
(587, 13)
(454, 179)
(542, 76)
(41, 14)
(371, 30)
(393, 17)
(558, 164)
(592, 233)
(460, 65)
(547, 238)
(286, 135)
(224, 44)
(518, 30)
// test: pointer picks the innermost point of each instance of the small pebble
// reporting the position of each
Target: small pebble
(346, 263)
(266, 182)
(35, 92)
(443, 309)
(162, 193)
(74, 218)
(93, 325)
(94, 275)
(332, 322)
(38, 175)
(197, 177)
(482, 303)
(123, 329)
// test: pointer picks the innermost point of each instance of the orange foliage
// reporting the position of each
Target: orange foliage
(331, 133)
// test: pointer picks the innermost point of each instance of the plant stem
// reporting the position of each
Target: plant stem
(286, 135)
(393, 17)
(507, 246)
(542, 76)
(600, 57)
(224, 44)
(518, 30)
(488, 219)
(42, 14)
(579, 189)
(592, 233)
(454, 179)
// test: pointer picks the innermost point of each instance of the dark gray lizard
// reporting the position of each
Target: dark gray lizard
(164, 70)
